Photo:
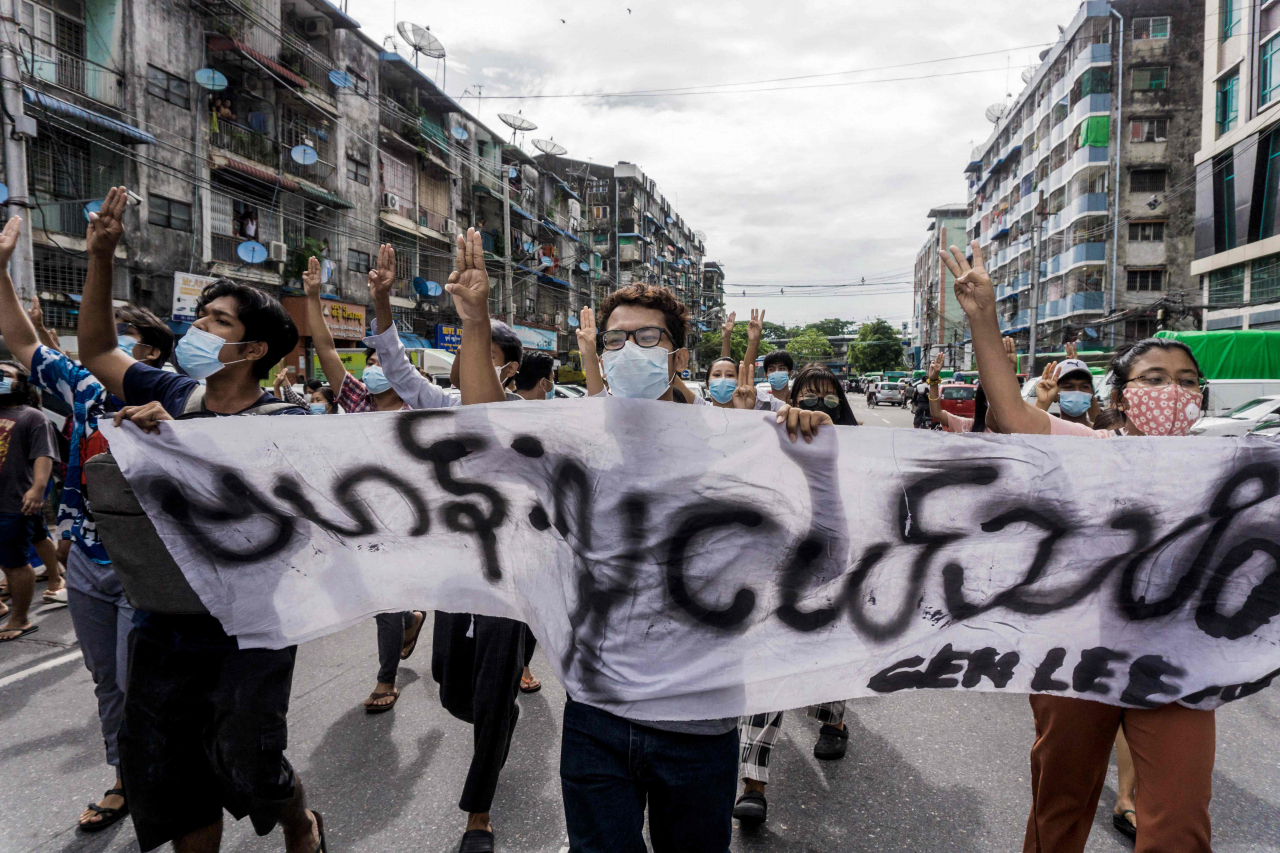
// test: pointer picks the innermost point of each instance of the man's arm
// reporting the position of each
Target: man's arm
(412, 387)
(19, 335)
(321, 337)
(380, 280)
(933, 380)
(33, 500)
(469, 287)
(755, 333)
(47, 336)
(726, 334)
(587, 350)
(97, 327)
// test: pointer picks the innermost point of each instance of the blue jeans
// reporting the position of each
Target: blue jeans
(610, 769)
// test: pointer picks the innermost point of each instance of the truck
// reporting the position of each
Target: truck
(570, 371)
(1240, 365)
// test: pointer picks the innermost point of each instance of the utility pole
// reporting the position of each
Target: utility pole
(506, 245)
(617, 252)
(1036, 244)
(16, 131)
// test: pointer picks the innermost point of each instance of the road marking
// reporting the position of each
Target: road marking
(40, 667)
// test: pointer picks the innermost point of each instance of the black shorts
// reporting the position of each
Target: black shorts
(204, 729)
(19, 532)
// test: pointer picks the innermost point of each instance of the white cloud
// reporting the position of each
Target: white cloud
(820, 184)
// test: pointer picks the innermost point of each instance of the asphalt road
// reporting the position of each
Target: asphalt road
(883, 415)
(939, 770)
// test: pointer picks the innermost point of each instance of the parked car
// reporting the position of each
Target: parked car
(569, 392)
(1227, 395)
(958, 399)
(1259, 412)
(885, 392)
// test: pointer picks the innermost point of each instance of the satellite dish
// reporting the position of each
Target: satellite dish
(670, 220)
(517, 122)
(1027, 74)
(211, 79)
(460, 133)
(549, 146)
(547, 262)
(90, 207)
(341, 79)
(426, 288)
(4, 193)
(252, 252)
(995, 112)
(304, 154)
(434, 288)
(528, 246)
(584, 266)
(421, 40)
(701, 235)
(573, 321)
(1043, 54)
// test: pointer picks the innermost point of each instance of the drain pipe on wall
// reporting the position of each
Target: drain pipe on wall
(1115, 229)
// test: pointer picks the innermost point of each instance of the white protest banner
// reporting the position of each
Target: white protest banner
(687, 562)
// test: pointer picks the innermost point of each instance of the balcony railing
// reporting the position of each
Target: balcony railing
(245, 142)
(59, 217)
(223, 248)
(75, 73)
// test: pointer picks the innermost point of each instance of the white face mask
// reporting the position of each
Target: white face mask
(636, 372)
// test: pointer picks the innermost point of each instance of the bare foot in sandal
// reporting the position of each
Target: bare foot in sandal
(106, 811)
(412, 633)
(528, 683)
(383, 697)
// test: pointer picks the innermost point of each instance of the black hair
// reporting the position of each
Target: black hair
(264, 320)
(368, 351)
(979, 411)
(315, 385)
(507, 340)
(534, 367)
(729, 359)
(331, 402)
(23, 393)
(782, 357)
(814, 374)
(153, 331)
(675, 314)
(1125, 356)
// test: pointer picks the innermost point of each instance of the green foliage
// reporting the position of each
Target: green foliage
(833, 327)
(298, 259)
(810, 345)
(709, 346)
(774, 331)
(878, 348)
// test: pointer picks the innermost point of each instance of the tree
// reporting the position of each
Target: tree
(833, 327)
(774, 331)
(879, 347)
(810, 345)
(709, 346)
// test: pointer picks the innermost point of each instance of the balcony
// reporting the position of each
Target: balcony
(1084, 253)
(59, 217)
(310, 64)
(1096, 104)
(1077, 303)
(1090, 155)
(223, 248)
(1091, 203)
(75, 74)
(1094, 54)
(1058, 177)
(245, 142)
(1058, 134)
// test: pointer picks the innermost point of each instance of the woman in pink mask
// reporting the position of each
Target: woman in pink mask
(1158, 390)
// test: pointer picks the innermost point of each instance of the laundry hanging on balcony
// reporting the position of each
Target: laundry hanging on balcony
(1096, 131)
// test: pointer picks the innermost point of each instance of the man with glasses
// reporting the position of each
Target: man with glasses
(612, 768)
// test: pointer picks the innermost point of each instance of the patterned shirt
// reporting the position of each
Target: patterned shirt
(354, 397)
(54, 373)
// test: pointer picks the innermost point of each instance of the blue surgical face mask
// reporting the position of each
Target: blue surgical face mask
(126, 344)
(1074, 403)
(722, 389)
(198, 350)
(375, 380)
(636, 372)
(6, 386)
(319, 409)
(779, 379)
(551, 395)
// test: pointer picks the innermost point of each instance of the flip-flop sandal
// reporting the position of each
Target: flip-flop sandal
(1123, 825)
(380, 709)
(56, 597)
(319, 831)
(30, 629)
(407, 649)
(109, 816)
(534, 685)
(476, 841)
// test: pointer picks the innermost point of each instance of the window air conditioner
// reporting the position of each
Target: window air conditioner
(316, 27)
(277, 250)
(390, 201)
(450, 226)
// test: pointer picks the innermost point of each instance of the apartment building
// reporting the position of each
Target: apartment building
(1237, 175)
(937, 320)
(259, 133)
(1083, 171)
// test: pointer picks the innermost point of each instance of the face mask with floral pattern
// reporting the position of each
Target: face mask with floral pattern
(1169, 410)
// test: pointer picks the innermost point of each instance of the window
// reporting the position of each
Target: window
(357, 171)
(168, 213)
(166, 87)
(1228, 110)
(1147, 180)
(1229, 15)
(1227, 285)
(1146, 232)
(1149, 130)
(1137, 330)
(1268, 78)
(1150, 28)
(1148, 79)
(1264, 283)
(1271, 187)
(359, 84)
(1224, 203)
(1143, 280)
(357, 261)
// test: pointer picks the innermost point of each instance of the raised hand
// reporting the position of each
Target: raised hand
(729, 323)
(1011, 351)
(383, 275)
(1071, 350)
(586, 330)
(935, 367)
(282, 376)
(755, 326)
(36, 313)
(469, 281)
(9, 239)
(1047, 387)
(973, 285)
(311, 278)
(744, 396)
(107, 225)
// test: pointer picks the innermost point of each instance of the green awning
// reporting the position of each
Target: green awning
(1096, 131)
(324, 197)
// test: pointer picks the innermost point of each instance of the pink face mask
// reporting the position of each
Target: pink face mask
(1170, 410)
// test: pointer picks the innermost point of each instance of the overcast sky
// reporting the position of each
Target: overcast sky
(798, 186)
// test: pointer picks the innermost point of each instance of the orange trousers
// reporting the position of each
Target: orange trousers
(1172, 748)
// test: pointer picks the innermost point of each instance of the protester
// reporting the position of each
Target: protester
(28, 449)
(100, 614)
(204, 720)
(778, 368)
(1158, 389)
(1070, 385)
(477, 660)
(535, 380)
(613, 768)
(816, 389)
(722, 382)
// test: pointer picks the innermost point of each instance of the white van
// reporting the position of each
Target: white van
(1226, 395)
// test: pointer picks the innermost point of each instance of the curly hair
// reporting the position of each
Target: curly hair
(674, 312)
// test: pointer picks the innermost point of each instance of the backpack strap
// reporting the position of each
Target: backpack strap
(195, 401)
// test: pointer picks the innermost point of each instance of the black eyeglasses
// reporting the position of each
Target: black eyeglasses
(811, 401)
(647, 337)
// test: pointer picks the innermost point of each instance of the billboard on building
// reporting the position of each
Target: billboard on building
(448, 338)
(186, 293)
(530, 338)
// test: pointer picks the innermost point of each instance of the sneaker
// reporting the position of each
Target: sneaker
(751, 808)
(832, 743)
